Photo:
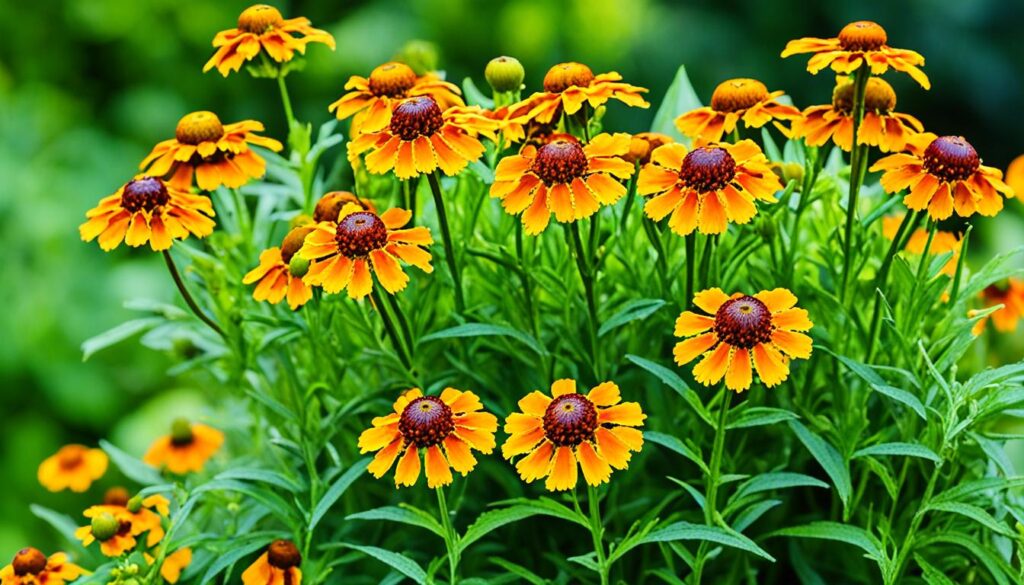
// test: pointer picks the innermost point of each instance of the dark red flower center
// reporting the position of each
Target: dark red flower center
(951, 158)
(565, 75)
(743, 322)
(415, 117)
(392, 80)
(146, 193)
(426, 421)
(283, 554)
(28, 561)
(569, 420)
(738, 94)
(862, 35)
(199, 127)
(360, 233)
(259, 18)
(708, 168)
(560, 161)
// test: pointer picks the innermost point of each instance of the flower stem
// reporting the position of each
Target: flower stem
(858, 151)
(286, 101)
(691, 265)
(451, 539)
(588, 288)
(403, 323)
(597, 532)
(714, 474)
(630, 198)
(389, 327)
(191, 302)
(449, 248)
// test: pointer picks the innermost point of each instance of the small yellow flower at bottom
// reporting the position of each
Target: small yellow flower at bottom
(31, 567)
(279, 565)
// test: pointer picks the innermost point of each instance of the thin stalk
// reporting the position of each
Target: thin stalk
(714, 475)
(191, 302)
(898, 243)
(630, 197)
(588, 287)
(389, 328)
(654, 237)
(691, 265)
(856, 175)
(960, 265)
(446, 235)
(451, 539)
(900, 561)
(524, 277)
(597, 532)
(403, 323)
(705, 261)
(286, 101)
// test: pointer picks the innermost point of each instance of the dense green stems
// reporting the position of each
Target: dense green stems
(403, 323)
(630, 197)
(958, 275)
(451, 539)
(446, 235)
(286, 101)
(587, 276)
(389, 328)
(691, 265)
(858, 151)
(923, 263)
(524, 277)
(714, 475)
(882, 276)
(900, 561)
(191, 302)
(654, 237)
(597, 532)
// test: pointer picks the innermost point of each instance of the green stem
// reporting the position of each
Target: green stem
(898, 243)
(403, 323)
(900, 561)
(691, 265)
(714, 475)
(446, 235)
(524, 277)
(389, 327)
(630, 197)
(191, 302)
(588, 288)
(856, 175)
(286, 101)
(597, 532)
(451, 539)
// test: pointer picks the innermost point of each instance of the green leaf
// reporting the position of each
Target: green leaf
(932, 575)
(634, 310)
(131, 467)
(400, 563)
(62, 523)
(673, 381)
(674, 444)
(486, 330)
(229, 557)
(828, 457)
(975, 513)
(967, 490)
(475, 97)
(750, 515)
(899, 449)
(777, 480)
(519, 571)
(679, 99)
(757, 416)
(118, 334)
(879, 385)
(405, 515)
(494, 519)
(1000, 570)
(847, 533)
(270, 500)
(336, 490)
(261, 476)
(688, 531)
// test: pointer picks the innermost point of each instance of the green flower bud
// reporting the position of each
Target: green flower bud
(105, 526)
(181, 431)
(505, 74)
(422, 56)
(134, 504)
(298, 266)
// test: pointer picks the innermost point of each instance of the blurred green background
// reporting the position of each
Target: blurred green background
(88, 86)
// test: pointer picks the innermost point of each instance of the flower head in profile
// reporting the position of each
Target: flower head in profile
(594, 432)
(564, 178)
(734, 101)
(215, 154)
(447, 428)
(276, 274)
(421, 138)
(861, 43)
(373, 99)
(944, 174)
(708, 187)
(72, 467)
(148, 210)
(186, 449)
(740, 334)
(1011, 296)
(360, 244)
(942, 242)
(262, 29)
(136, 517)
(881, 127)
(330, 205)
(279, 565)
(643, 144)
(31, 567)
(1015, 176)
(568, 86)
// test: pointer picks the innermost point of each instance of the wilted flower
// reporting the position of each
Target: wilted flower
(73, 467)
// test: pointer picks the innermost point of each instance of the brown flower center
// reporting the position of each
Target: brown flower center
(116, 496)
(329, 206)
(71, 456)
(736, 95)
(565, 75)
(879, 96)
(862, 35)
(392, 80)
(951, 158)
(560, 161)
(708, 168)
(28, 561)
(259, 18)
(569, 420)
(426, 421)
(743, 322)
(360, 233)
(199, 127)
(146, 193)
(415, 117)
(283, 554)
(293, 241)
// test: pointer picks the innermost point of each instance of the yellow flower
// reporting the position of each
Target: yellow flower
(114, 534)
(942, 242)
(137, 517)
(568, 86)
(173, 564)
(261, 28)
(1011, 296)
(279, 565)
(447, 428)
(73, 467)
(741, 331)
(275, 276)
(186, 449)
(1015, 176)
(31, 567)
(735, 101)
(596, 431)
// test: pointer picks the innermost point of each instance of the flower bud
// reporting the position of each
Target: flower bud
(28, 561)
(298, 266)
(181, 431)
(134, 504)
(421, 56)
(505, 74)
(105, 526)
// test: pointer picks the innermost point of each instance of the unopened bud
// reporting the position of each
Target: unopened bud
(505, 74)
(105, 526)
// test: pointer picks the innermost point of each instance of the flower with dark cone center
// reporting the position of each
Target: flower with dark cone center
(329, 206)
(116, 496)
(708, 168)
(283, 554)
(360, 233)
(738, 94)
(879, 96)
(391, 80)
(743, 322)
(146, 193)
(199, 127)
(560, 161)
(951, 158)
(862, 35)
(415, 117)
(565, 75)
(569, 420)
(259, 18)
(70, 458)
(181, 432)
(293, 241)
(28, 561)
(426, 421)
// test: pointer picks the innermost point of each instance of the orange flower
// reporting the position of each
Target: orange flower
(1011, 296)
(422, 138)
(31, 567)
(1015, 176)
(373, 99)
(277, 279)
(261, 28)
(344, 253)
(567, 86)
(563, 177)
(140, 515)
(331, 204)
(739, 331)
(733, 101)
(942, 242)
(859, 43)
(73, 467)
(114, 534)
(173, 564)
(186, 449)
(881, 127)
(595, 430)
(642, 144)
(708, 187)
(454, 421)
(943, 174)
(216, 154)
(278, 566)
